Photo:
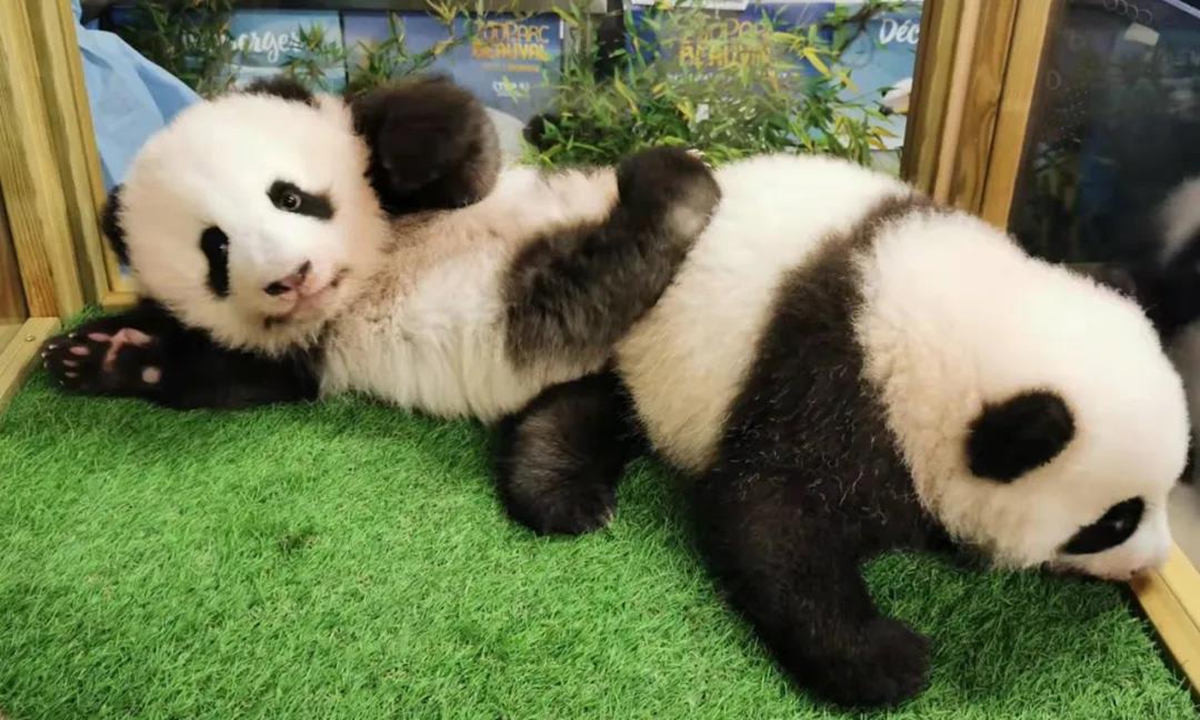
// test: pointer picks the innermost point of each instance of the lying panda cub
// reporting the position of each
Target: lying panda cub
(839, 366)
(842, 368)
(290, 245)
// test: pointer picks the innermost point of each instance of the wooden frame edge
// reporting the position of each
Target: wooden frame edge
(20, 356)
(936, 53)
(1030, 42)
(118, 300)
(960, 74)
(1170, 597)
(72, 134)
(29, 172)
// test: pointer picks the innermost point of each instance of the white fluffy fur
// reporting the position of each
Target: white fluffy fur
(430, 330)
(956, 315)
(1179, 219)
(212, 167)
(686, 361)
(417, 320)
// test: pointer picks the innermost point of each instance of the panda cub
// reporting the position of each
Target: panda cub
(289, 245)
(842, 368)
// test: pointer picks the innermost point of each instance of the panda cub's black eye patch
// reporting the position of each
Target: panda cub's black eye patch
(290, 198)
(1113, 528)
(214, 243)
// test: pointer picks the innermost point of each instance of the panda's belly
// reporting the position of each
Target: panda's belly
(438, 347)
(686, 360)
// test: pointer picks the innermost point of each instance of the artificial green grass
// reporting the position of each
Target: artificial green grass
(348, 560)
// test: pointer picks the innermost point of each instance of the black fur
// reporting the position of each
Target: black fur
(1024, 432)
(214, 243)
(1113, 528)
(432, 143)
(195, 372)
(578, 290)
(1170, 294)
(808, 484)
(110, 224)
(287, 196)
(559, 460)
(282, 87)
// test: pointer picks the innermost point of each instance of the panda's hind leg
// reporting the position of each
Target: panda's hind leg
(559, 460)
(795, 576)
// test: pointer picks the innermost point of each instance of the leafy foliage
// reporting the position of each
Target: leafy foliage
(189, 39)
(311, 62)
(701, 83)
(391, 58)
(688, 77)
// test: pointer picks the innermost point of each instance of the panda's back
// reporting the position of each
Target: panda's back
(688, 359)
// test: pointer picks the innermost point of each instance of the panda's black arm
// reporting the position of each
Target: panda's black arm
(146, 353)
(432, 143)
(576, 291)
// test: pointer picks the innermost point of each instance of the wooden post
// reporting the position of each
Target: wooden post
(30, 176)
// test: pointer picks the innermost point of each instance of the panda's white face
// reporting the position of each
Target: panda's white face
(1042, 420)
(251, 217)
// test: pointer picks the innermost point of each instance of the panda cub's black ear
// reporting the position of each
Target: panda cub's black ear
(110, 224)
(1011, 438)
(282, 87)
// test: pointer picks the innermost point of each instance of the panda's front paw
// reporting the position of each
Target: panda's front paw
(884, 664)
(103, 361)
(671, 185)
(433, 145)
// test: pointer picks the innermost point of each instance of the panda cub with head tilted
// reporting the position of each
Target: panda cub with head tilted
(842, 368)
(289, 245)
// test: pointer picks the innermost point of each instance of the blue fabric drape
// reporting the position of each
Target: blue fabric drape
(131, 98)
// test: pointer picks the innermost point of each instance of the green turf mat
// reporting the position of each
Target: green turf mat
(348, 560)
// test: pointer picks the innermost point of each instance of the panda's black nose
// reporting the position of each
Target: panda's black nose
(291, 282)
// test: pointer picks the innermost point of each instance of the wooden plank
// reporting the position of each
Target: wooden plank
(12, 299)
(8, 332)
(20, 355)
(972, 149)
(936, 53)
(1031, 31)
(72, 139)
(87, 134)
(29, 175)
(956, 98)
(118, 300)
(1170, 597)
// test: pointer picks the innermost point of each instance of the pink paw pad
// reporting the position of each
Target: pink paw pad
(121, 338)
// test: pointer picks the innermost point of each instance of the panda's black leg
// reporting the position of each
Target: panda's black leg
(146, 353)
(559, 460)
(575, 292)
(797, 580)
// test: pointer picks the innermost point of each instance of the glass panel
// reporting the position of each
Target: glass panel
(1112, 175)
(835, 77)
(12, 297)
